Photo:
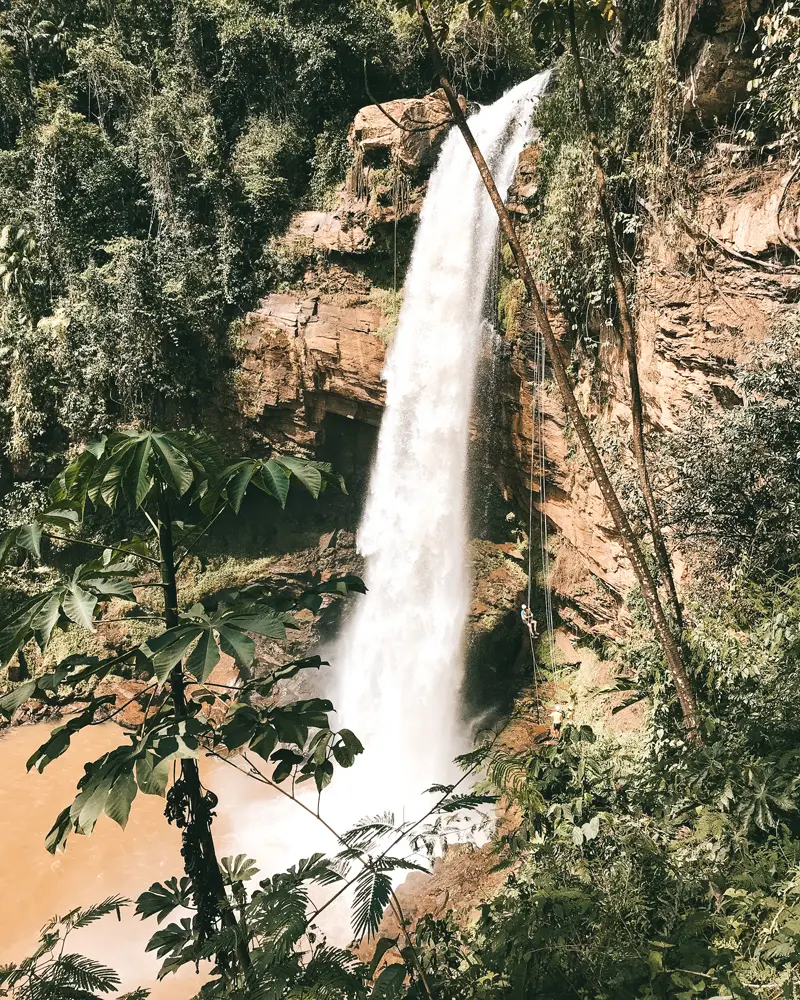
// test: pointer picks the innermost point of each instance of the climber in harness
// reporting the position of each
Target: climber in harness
(527, 616)
(557, 717)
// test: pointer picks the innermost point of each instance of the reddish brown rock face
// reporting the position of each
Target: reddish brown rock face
(709, 290)
(305, 357)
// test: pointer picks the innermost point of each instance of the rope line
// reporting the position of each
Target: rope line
(537, 430)
(545, 535)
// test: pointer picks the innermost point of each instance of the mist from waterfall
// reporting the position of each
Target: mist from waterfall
(399, 662)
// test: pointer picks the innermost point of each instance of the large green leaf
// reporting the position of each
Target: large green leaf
(275, 480)
(385, 944)
(241, 726)
(389, 984)
(161, 899)
(236, 644)
(120, 798)
(238, 483)
(305, 472)
(180, 472)
(59, 831)
(258, 620)
(45, 620)
(60, 737)
(204, 657)
(152, 775)
(90, 804)
(79, 605)
(30, 537)
(60, 516)
(8, 544)
(112, 480)
(167, 649)
(10, 702)
(138, 481)
(18, 627)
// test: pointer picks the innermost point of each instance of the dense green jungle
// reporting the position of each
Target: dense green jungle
(183, 469)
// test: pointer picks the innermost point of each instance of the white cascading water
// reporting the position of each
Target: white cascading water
(399, 663)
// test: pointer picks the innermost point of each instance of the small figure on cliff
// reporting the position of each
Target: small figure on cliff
(527, 616)
(557, 717)
(570, 712)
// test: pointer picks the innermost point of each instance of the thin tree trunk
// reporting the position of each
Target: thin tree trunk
(200, 806)
(624, 325)
(630, 543)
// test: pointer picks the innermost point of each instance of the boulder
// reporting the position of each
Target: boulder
(411, 140)
(327, 231)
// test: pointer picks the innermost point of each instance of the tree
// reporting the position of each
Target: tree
(558, 17)
(627, 535)
(160, 477)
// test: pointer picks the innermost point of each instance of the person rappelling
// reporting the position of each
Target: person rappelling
(556, 718)
(527, 616)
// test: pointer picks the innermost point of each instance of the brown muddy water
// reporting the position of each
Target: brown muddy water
(37, 885)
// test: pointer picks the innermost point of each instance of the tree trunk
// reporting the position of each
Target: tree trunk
(647, 584)
(624, 325)
(201, 804)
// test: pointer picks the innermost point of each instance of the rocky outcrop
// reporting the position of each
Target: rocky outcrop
(719, 75)
(330, 232)
(394, 148)
(525, 188)
(304, 358)
(717, 274)
(714, 282)
(406, 132)
(715, 45)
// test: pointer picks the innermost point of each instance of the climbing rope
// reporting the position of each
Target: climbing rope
(544, 529)
(537, 430)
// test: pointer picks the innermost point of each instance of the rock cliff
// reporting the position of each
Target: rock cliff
(716, 273)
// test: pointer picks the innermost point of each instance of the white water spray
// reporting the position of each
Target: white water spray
(399, 663)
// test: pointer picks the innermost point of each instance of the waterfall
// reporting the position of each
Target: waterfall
(399, 662)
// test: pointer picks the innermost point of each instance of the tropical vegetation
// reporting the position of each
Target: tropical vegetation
(150, 158)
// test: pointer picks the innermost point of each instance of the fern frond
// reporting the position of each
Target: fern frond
(369, 831)
(372, 893)
(88, 915)
(83, 973)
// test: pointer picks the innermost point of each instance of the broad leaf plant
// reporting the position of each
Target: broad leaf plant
(158, 479)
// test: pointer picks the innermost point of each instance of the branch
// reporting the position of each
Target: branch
(203, 532)
(97, 545)
(394, 121)
(402, 836)
(258, 775)
(108, 718)
(131, 618)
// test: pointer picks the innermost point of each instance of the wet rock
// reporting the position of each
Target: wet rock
(525, 188)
